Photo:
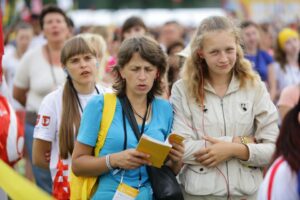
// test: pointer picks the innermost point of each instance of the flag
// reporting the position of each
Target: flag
(1, 45)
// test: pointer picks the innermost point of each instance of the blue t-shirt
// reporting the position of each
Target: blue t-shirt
(159, 127)
(260, 63)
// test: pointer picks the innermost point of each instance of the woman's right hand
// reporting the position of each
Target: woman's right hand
(129, 159)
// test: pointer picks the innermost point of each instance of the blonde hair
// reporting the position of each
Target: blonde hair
(98, 42)
(195, 69)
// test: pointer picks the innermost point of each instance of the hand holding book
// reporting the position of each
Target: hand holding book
(158, 150)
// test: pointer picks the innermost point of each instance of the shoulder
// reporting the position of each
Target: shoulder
(34, 54)
(102, 89)
(179, 87)
(162, 103)
(265, 54)
(55, 95)
(291, 90)
(96, 100)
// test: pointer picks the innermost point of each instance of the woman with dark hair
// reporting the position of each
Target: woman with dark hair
(39, 73)
(133, 26)
(140, 69)
(282, 180)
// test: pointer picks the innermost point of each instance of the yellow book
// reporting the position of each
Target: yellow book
(175, 138)
(157, 150)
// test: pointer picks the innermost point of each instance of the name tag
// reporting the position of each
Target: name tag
(125, 192)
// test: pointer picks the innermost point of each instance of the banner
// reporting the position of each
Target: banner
(17, 187)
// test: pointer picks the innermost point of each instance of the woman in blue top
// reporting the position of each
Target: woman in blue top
(261, 61)
(140, 70)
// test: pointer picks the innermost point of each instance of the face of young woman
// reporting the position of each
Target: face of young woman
(219, 52)
(82, 69)
(250, 36)
(139, 75)
(55, 27)
(292, 46)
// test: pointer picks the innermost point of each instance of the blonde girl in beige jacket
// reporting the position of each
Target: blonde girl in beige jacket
(226, 115)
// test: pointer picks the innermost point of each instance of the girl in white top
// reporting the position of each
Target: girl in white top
(283, 178)
(60, 112)
(287, 70)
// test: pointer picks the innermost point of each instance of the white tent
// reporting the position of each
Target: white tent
(152, 17)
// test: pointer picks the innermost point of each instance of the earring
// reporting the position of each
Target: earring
(97, 64)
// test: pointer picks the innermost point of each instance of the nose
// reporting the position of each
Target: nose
(83, 63)
(142, 74)
(223, 57)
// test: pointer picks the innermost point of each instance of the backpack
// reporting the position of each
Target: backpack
(83, 188)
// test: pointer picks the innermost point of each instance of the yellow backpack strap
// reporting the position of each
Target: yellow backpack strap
(110, 102)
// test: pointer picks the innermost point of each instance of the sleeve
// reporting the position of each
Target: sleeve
(46, 126)
(22, 77)
(90, 121)
(267, 57)
(182, 124)
(266, 133)
(287, 97)
(170, 119)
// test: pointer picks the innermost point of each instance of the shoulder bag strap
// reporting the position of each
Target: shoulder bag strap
(130, 116)
(110, 101)
(272, 176)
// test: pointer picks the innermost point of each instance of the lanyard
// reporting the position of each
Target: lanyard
(77, 98)
(133, 121)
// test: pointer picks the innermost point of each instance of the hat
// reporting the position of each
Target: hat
(185, 52)
(285, 35)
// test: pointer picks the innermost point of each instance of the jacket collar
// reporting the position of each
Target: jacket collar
(234, 85)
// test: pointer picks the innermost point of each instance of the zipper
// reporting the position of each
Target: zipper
(222, 106)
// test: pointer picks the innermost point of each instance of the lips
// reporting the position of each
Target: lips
(142, 86)
(85, 73)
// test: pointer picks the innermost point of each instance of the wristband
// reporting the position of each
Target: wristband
(108, 162)
(244, 140)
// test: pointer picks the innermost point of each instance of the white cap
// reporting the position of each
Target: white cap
(185, 52)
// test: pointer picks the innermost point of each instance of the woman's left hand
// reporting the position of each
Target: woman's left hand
(176, 153)
(218, 152)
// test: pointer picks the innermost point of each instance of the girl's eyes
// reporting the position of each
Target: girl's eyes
(213, 52)
(230, 49)
(146, 69)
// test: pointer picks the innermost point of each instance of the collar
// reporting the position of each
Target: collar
(234, 85)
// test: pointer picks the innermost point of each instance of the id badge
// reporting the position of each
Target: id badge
(125, 192)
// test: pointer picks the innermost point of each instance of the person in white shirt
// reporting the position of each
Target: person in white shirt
(282, 180)
(60, 112)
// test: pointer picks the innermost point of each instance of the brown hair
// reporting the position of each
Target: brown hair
(150, 51)
(52, 9)
(70, 115)
(132, 22)
(288, 141)
(195, 69)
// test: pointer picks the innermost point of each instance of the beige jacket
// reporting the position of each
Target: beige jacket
(241, 112)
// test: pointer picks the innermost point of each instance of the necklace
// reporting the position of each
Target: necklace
(51, 66)
(141, 117)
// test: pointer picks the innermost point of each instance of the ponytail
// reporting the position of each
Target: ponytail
(70, 120)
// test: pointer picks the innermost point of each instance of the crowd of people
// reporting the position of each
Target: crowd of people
(232, 90)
